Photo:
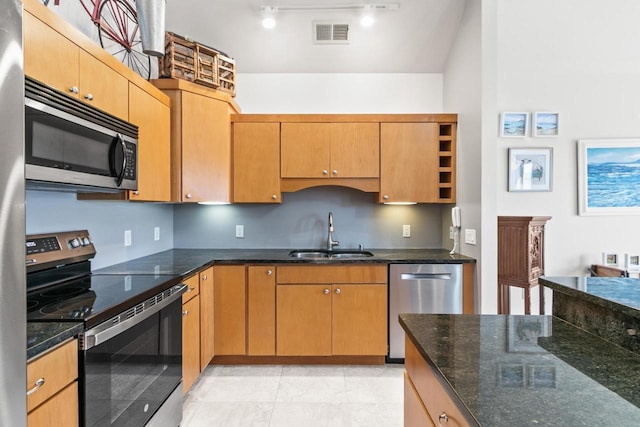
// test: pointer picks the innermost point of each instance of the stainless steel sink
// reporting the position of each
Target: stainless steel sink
(324, 254)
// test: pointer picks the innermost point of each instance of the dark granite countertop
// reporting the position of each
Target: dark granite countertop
(187, 261)
(529, 370)
(614, 293)
(41, 336)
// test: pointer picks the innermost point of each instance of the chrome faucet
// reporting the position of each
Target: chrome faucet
(330, 242)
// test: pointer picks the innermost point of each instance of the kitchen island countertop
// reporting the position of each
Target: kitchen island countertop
(528, 370)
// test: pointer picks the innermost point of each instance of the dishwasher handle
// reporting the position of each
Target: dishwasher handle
(425, 276)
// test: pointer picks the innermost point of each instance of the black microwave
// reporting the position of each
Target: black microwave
(72, 145)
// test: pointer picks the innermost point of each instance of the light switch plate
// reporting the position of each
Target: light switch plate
(240, 231)
(406, 230)
(156, 233)
(127, 237)
(470, 236)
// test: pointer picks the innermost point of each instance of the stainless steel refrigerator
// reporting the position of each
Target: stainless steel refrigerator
(13, 324)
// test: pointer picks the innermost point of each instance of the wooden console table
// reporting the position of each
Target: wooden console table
(520, 258)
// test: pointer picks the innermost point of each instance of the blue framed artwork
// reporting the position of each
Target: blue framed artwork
(530, 169)
(546, 124)
(609, 176)
(514, 124)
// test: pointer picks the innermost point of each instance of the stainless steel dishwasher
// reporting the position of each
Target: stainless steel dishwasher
(421, 288)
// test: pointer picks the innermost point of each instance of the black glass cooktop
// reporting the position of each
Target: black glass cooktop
(94, 298)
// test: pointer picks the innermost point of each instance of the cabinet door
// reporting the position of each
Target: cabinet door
(206, 318)
(304, 320)
(261, 311)
(359, 319)
(409, 163)
(49, 56)
(102, 87)
(355, 150)
(256, 163)
(205, 148)
(190, 342)
(154, 149)
(60, 410)
(230, 309)
(305, 150)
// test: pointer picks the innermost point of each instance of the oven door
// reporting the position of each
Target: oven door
(126, 378)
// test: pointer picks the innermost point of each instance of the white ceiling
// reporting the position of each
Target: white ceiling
(413, 39)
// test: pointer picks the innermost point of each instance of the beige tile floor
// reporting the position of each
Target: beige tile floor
(308, 396)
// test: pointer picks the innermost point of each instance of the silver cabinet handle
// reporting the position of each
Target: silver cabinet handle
(188, 196)
(324, 171)
(137, 193)
(269, 272)
(326, 291)
(385, 197)
(338, 291)
(73, 89)
(443, 417)
(335, 172)
(89, 97)
(185, 313)
(39, 383)
(274, 197)
(204, 277)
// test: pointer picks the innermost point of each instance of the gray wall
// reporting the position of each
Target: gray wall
(301, 222)
(49, 211)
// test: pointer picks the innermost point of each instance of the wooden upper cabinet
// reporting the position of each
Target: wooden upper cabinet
(256, 163)
(330, 150)
(200, 147)
(55, 60)
(409, 167)
(153, 119)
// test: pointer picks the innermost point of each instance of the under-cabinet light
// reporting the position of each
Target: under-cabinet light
(400, 203)
(214, 203)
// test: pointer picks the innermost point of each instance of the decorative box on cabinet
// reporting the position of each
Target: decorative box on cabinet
(520, 258)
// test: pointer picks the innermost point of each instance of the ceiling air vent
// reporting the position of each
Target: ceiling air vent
(330, 33)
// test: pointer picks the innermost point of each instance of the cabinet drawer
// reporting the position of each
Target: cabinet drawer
(58, 367)
(435, 398)
(415, 414)
(61, 409)
(332, 274)
(193, 288)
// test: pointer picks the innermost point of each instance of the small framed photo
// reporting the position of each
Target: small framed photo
(514, 124)
(545, 124)
(632, 263)
(610, 259)
(530, 169)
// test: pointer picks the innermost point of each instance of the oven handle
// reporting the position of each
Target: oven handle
(104, 331)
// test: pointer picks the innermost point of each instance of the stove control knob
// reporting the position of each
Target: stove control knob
(86, 241)
(74, 243)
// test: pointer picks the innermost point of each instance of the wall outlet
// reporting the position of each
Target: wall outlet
(470, 236)
(156, 233)
(240, 231)
(406, 230)
(127, 237)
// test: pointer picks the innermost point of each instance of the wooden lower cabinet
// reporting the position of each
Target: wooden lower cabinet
(229, 282)
(190, 333)
(261, 310)
(430, 393)
(207, 347)
(345, 316)
(415, 414)
(55, 401)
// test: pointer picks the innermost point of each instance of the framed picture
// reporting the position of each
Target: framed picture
(632, 263)
(523, 333)
(610, 259)
(530, 169)
(514, 124)
(608, 176)
(545, 124)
